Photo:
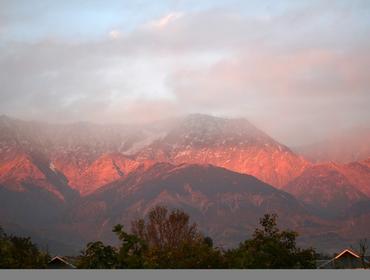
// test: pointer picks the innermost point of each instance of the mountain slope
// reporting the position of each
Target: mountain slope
(351, 145)
(105, 169)
(226, 204)
(25, 169)
(31, 194)
(358, 173)
(88, 155)
(80, 150)
(73, 182)
(234, 144)
(333, 186)
(327, 189)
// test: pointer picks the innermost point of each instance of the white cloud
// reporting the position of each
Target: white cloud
(166, 20)
(115, 34)
(285, 73)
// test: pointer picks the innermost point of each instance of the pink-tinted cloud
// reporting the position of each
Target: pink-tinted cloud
(297, 75)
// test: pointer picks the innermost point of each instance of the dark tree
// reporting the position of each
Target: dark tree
(271, 248)
(98, 256)
(19, 252)
(363, 245)
(166, 229)
(167, 239)
(174, 242)
(132, 249)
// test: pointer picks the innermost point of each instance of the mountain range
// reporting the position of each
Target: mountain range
(67, 184)
(348, 146)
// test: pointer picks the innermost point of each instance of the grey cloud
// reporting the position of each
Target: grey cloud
(295, 75)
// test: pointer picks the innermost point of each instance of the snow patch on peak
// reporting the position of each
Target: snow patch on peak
(52, 167)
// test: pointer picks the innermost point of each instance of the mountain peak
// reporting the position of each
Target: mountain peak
(234, 144)
(205, 117)
(5, 119)
(210, 119)
(205, 130)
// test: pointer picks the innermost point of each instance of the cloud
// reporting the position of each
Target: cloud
(314, 91)
(297, 74)
(166, 20)
(115, 34)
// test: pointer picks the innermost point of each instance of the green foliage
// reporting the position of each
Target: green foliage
(167, 239)
(173, 242)
(132, 249)
(98, 256)
(271, 248)
(165, 230)
(20, 252)
(185, 256)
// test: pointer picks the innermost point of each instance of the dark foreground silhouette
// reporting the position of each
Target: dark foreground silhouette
(168, 240)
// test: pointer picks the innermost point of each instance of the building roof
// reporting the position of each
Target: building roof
(58, 259)
(348, 251)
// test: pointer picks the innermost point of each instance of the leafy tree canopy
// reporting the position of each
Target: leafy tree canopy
(19, 252)
(271, 248)
(98, 256)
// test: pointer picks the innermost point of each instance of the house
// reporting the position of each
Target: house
(347, 259)
(59, 263)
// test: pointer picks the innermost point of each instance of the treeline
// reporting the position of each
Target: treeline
(19, 252)
(168, 240)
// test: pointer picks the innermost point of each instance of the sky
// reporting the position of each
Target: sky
(299, 70)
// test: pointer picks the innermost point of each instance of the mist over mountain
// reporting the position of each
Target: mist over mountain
(348, 146)
(330, 188)
(226, 205)
(77, 150)
(234, 144)
(75, 181)
(227, 109)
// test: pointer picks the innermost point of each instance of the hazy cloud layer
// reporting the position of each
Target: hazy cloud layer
(299, 72)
